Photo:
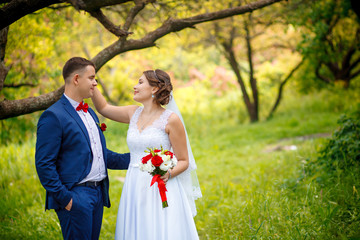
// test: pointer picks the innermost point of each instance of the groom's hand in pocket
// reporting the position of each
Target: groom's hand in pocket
(68, 207)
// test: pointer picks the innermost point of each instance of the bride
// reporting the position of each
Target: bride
(141, 215)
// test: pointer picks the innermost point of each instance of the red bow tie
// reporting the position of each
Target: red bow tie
(82, 106)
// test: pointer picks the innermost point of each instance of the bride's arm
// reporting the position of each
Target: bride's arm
(177, 136)
(117, 113)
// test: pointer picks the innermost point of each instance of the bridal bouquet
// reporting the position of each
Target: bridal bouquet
(157, 162)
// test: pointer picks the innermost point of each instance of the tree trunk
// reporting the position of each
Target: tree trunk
(344, 83)
(3, 69)
(235, 67)
(254, 115)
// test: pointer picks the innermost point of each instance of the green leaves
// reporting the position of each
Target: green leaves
(329, 36)
(343, 150)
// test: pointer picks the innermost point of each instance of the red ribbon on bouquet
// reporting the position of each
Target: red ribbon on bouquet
(162, 189)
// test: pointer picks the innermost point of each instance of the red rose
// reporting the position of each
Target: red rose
(157, 150)
(169, 153)
(146, 158)
(103, 127)
(156, 161)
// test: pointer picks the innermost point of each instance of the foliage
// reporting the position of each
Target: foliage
(18, 130)
(334, 169)
(258, 48)
(342, 151)
(249, 192)
(22, 214)
(329, 33)
(35, 55)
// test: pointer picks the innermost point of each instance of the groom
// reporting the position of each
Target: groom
(71, 156)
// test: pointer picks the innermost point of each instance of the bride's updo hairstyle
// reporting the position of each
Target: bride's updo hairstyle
(160, 79)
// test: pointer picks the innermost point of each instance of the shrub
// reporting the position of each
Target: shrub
(342, 151)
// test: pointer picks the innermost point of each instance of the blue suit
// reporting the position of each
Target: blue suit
(63, 156)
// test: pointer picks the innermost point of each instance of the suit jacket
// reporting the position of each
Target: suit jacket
(63, 154)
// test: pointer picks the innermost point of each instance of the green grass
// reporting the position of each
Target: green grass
(248, 192)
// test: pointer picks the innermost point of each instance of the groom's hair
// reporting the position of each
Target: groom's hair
(75, 64)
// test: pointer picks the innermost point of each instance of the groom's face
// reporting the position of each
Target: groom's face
(87, 82)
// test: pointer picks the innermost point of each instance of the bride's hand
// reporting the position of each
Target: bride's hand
(165, 177)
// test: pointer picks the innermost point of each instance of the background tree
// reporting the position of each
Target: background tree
(330, 40)
(247, 42)
(15, 10)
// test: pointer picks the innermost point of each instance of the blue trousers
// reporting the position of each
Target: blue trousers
(83, 221)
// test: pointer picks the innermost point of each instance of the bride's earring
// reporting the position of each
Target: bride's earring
(152, 95)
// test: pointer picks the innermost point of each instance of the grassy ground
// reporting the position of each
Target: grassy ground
(250, 189)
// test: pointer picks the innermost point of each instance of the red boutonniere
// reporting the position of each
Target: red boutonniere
(102, 126)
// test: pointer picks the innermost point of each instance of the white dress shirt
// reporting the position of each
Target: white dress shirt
(97, 172)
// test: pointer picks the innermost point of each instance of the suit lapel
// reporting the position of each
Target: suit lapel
(70, 109)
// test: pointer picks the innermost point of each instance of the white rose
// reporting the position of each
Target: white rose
(142, 167)
(164, 157)
(148, 167)
(166, 165)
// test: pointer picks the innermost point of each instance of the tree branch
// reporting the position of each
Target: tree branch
(116, 30)
(19, 107)
(90, 5)
(14, 85)
(355, 74)
(14, 108)
(356, 42)
(59, 6)
(277, 45)
(173, 25)
(333, 67)
(139, 5)
(3, 42)
(346, 65)
(230, 56)
(320, 76)
(354, 64)
(17, 9)
(3, 73)
(282, 85)
(105, 90)
(254, 115)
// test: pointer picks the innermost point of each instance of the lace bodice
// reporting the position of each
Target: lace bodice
(152, 136)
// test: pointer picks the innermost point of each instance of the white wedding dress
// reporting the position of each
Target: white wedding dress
(140, 215)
